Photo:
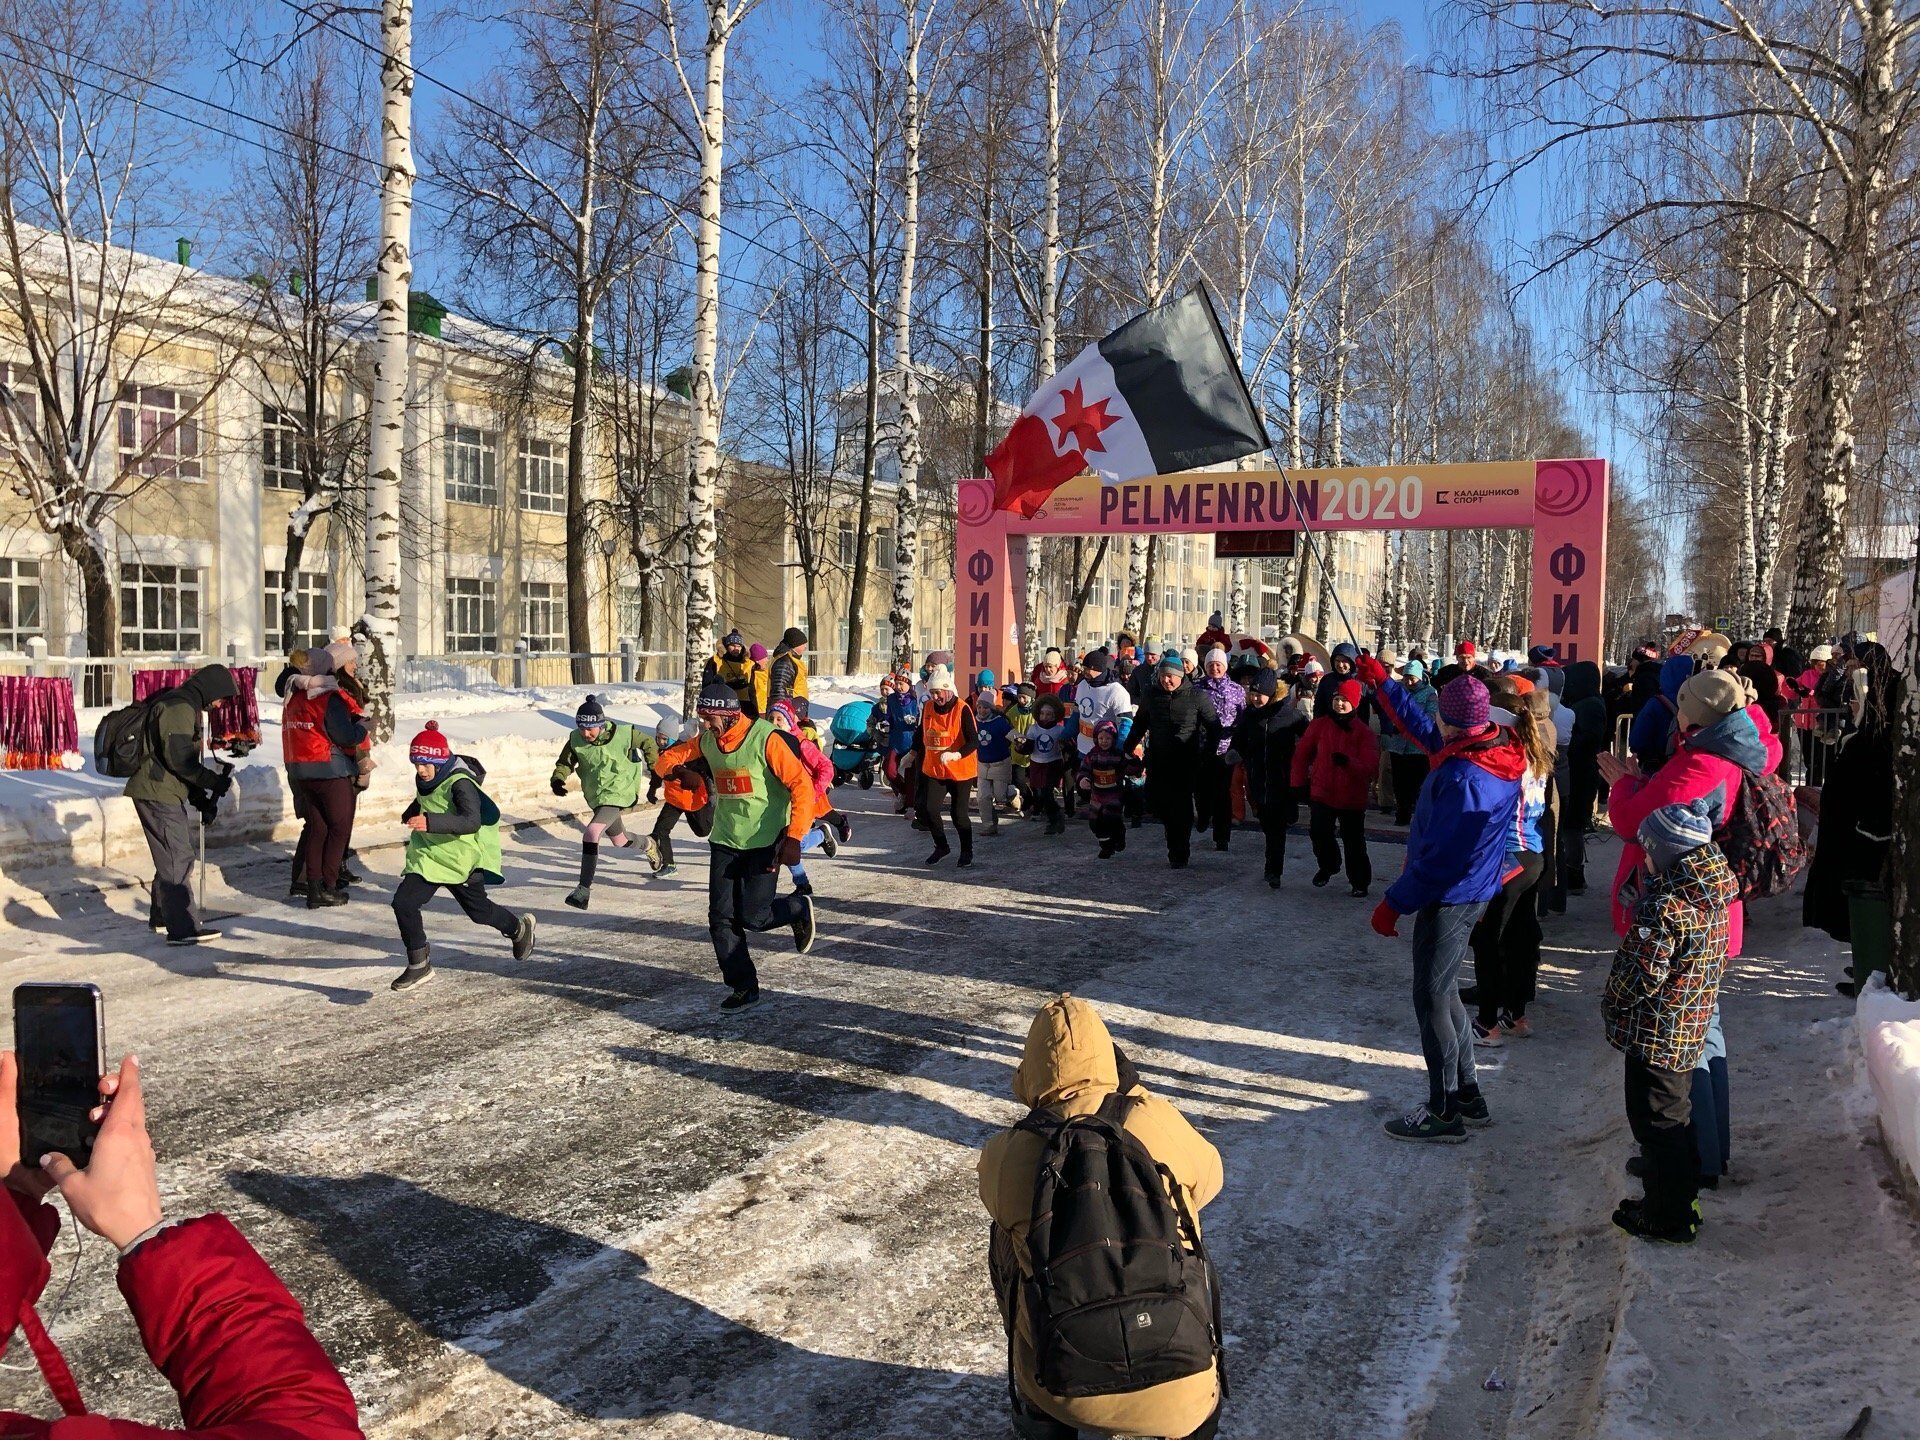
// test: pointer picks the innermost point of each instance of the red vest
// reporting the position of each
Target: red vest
(303, 729)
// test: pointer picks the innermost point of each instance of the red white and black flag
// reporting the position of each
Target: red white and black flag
(1161, 394)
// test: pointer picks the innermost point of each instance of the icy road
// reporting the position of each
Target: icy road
(566, 1198)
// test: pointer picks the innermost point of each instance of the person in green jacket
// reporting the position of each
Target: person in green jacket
(613, 760)
(455, 843)
(173, 781)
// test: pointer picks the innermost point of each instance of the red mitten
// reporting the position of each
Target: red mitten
(1384, 916)
(1370, 671)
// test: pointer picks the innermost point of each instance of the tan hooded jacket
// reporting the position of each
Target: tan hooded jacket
(1069, 1067)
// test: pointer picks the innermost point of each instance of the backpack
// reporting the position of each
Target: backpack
(1116, 1300)
(123, 741)
(1761, 837)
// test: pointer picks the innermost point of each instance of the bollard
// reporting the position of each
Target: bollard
(519, 664)
(626, 661)
(36, 654)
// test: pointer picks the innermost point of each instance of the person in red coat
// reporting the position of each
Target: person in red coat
(213, 1316)
(1336, 760)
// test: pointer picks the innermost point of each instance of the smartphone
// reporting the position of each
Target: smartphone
(60, 1038)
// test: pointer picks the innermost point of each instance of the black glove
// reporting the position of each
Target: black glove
(559, 786)
(686, 775)
(221, 785)
(786, 852)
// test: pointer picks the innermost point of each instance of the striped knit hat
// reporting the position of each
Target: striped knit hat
(1673, 830)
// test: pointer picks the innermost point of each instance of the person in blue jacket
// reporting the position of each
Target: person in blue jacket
(1654, 726)
(1456, 859)
(1341, 666)
(903, 716)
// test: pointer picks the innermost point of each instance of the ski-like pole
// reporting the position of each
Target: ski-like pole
(1333, 589)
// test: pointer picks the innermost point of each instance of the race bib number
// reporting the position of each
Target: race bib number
(733, 782)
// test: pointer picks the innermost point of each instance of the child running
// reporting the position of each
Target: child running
(611, 759)
(996, 759)
(830, 826)
(1019, 713)
(1103, 775)
(455, 843)
(1336, 760)
(689, 795)
(1046, 750)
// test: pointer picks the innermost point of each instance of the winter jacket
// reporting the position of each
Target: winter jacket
(1051, 681)
(1228, 698)
(1265, 738)
(1019, 722)
(1337, 760)
(817, 765)
(1175, 725)
(321, 733)
(735, 672)
(1070, 1067)
(1457, 844)
(1709, 764)
(174, 767)
(1665, 980)
(215, 1320)
(1582, 696)
(1095, 702)
(903, 714)
(996, 738)
(1655, 725)
(783, 678)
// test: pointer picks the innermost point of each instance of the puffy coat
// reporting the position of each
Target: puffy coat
(1337, 760)
(1665, 983)
(1070, 1067)
(1266, 738)
(1457, 844)
(215, 1320)
(1708, 764)
(177, 766)
(1228, 698)
(1097, 702)
(1654, 724)
(1344, 660)
(1176, 725)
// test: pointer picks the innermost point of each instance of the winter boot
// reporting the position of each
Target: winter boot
(1321, 877)
(940, 852)
(829, 844)
(1106, 850)
(803, 887)
(966, 848)
(523, 937)
(589, 862)
(419, 969)
(579, 896)
(1631, 1216)
(1056, 824)
(321, 898)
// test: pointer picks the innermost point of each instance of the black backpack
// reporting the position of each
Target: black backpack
(124, 740)
(1761, 837)
(1117, 1300)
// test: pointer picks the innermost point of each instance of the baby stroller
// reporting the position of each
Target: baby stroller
(858, 738)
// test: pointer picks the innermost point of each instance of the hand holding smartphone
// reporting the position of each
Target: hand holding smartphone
(60, 1036)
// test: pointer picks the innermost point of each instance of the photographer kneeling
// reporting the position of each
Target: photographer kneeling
(213, 1317)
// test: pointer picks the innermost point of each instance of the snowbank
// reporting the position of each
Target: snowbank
(51, 820)
(1889, 1030)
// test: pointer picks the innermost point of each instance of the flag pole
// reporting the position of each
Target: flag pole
(1307, 530)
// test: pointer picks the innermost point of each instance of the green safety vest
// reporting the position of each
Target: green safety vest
(748, 812)
(607, 775)
(450, 859)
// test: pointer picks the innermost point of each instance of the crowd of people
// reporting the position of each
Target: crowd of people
(1504, 771)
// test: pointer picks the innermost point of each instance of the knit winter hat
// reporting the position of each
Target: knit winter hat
(430, 747)
(341, 654)
(985, 680)
(1098, 661)
(732, 638)
(757, 653)
(1191, 657)
(1349, 691)
(718, 699)
(1150, 648)
(784, 709)
(941, 678)
(1713, 695)
(1170, 664)
(1415, 671)
(1820, 652)
(1463, 703)
(1465, 651)
(1673, 830)
(1053, 655)
(1265, 682)
(669, 730)
(589, 713)
(1215, 622)
(1216, 653)
(794, 637)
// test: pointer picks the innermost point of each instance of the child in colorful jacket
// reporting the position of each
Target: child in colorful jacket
(1103, 774)
(1659, 1004)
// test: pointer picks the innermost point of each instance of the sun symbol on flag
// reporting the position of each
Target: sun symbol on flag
(1080, 423)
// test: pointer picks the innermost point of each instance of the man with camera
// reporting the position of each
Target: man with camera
(173, 781)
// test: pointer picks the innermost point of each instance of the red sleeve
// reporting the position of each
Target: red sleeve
(231, 1340)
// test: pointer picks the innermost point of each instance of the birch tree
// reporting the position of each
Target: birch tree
(707, 103)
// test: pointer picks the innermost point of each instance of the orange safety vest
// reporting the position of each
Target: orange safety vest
(941, 733)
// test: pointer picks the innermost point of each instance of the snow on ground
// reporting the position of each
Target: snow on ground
(565, 1198)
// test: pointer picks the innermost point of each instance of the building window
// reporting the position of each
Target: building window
(471, 478)
(159, 608)
(849, 547)
(19, 603)
(841, 647)
(627, 622)
(313, 613)
(543, 616)
(1171, 600)
(1116, 593)
(543, 476)
(159, 433)
(279, 449)
(472, 623)
(20, 415)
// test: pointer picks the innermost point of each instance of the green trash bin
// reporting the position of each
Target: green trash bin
(1870, 914)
